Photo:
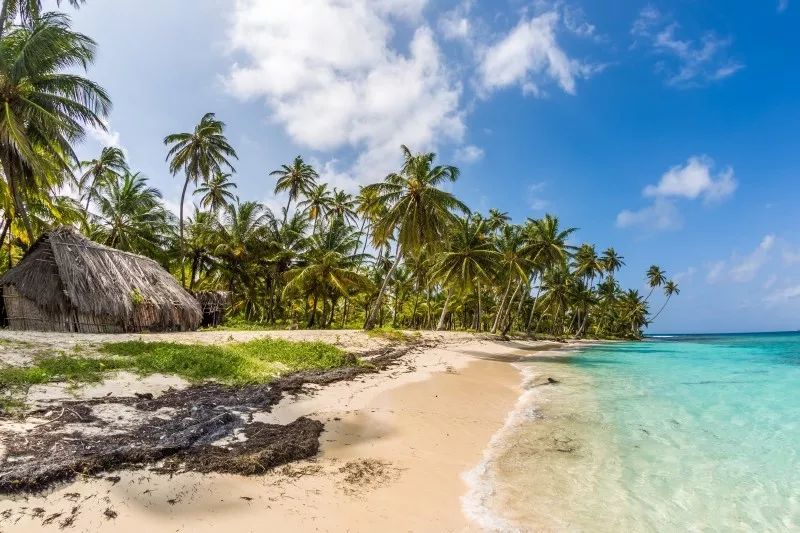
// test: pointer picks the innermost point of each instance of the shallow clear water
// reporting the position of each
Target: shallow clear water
(695, 433)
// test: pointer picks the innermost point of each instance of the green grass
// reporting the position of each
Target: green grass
(256, 361)
(390, 334)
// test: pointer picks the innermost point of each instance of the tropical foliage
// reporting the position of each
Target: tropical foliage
(404, 251)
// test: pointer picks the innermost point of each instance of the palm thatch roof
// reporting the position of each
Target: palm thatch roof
(64, 272)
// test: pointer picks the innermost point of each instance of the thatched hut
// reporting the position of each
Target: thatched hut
(214, 304)
(65, 282)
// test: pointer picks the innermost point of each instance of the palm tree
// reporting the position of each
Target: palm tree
(131, 215)
(29, 11)
(343, 207)
(547, 248)
(611, 261)
(45, 104)
(634, 311)
(296, 178)
(328, 269)
(416, 209)
(216, 192)
(670, 288)
(497, 219)
(655, 278)
(514, 264)
(108, 166)
(317, 204)
(468, 259)
(199, 154)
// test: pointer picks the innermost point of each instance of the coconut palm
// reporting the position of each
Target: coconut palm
(342, 207)
(201, 153)
(670, 288)
(317, 204)
(46, 104)
(216, 192)
(328, 269)
(131, 215)
(611, 261)
(496, 219)
(655, 278)
(468, 259)
(28, 11)
(634, 311)
(109, 165)
(296, 178)
(547, 248)
(416, 209)
(514, 264)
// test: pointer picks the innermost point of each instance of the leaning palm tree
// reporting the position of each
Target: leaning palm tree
(343, 207)
(216, 192)
(199, 154)
(670, 288)
(514, 265)
(45, 104)
(655, 278)
(108, 166)
(417, 210)
(296, 178)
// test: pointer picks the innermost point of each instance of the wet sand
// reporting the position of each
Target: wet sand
(394, 451)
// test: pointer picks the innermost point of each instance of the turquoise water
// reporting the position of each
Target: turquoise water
(705, 429)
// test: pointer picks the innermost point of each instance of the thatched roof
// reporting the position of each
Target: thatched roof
(64, 271)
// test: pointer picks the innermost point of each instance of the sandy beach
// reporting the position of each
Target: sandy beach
(394, 454)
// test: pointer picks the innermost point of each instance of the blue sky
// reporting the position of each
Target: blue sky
(665, 129)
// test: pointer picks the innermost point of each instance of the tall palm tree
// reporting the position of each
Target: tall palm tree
(317, 204)
(670, 288)
(106, 167)
(416, 209)
(199, 154)
(514, 265)
(547, 248)
(497, 219)
(655, 278)
(611, 261)
(131, 215)
(634, 311)
(45, 104)
(343, 207)
(296, 178)
(216, 192)
(468, 259)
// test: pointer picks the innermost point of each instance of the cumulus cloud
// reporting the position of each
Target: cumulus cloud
(686, 62)
(660, 215)
(742, 268)
(331, 73)
(468, 154)
(455, 23)
(530, 56)
(106, 137)
(693, 180)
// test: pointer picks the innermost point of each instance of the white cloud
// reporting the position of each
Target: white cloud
(746, 268)
(332, 77)
(693, 180)
(660, 215)
(715, 271)
(455, 24)
(688, 62)
(107, 137)
(783, 295)
(535, 200)
(741, 269)
(686, 275)
(530, 55)
(468, 154)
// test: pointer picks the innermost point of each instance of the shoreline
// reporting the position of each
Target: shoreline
(403, 438)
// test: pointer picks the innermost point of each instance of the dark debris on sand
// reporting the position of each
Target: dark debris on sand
(202, 415)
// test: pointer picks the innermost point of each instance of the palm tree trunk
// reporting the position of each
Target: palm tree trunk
(373, 314)
(479, 328)
(313, 312)
(500, 309)
(651, 320)
(533, 308)
(506, 322)
(442, 319)
(183, 245)
(4, 16)
(6, 226)
(286, 212)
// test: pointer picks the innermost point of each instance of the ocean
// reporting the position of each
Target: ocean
(674, 433)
